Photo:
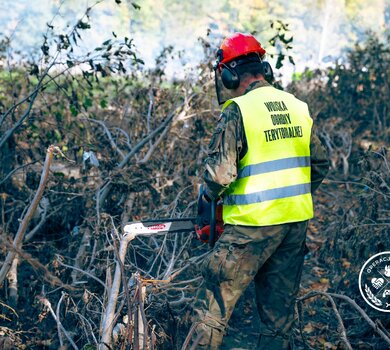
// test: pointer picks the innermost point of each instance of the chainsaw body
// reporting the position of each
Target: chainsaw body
(209, 222)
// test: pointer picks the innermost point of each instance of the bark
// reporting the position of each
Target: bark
(108, 315)
(18, 240)
(13, 282)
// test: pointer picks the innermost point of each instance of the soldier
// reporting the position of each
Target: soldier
(265, 161)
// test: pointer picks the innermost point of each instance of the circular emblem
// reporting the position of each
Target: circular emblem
(374, 281)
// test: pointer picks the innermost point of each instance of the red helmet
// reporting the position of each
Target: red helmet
(238, 45)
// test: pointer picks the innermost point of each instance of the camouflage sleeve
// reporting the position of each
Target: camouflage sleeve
(225, 149)
(319, 161)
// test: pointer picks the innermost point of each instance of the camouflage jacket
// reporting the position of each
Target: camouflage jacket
(228, 145)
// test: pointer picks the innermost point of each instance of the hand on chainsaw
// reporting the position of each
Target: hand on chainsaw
(203, 221)
(203, 234)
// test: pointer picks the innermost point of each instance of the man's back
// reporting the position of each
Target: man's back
(273, 179)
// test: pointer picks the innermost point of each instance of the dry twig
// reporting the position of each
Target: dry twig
(351, 302)
(18, 240)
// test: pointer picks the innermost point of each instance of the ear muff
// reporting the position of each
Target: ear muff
(230, 78)
(268, 74)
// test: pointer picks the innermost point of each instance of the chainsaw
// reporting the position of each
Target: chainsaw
(207, 225)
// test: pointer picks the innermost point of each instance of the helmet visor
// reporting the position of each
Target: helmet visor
(223, 94)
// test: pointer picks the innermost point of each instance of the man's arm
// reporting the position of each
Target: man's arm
(225, 149)
(319, 161)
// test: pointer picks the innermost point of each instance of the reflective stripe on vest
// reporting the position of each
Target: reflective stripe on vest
(273, 181)
(267, 195)
(273, 165)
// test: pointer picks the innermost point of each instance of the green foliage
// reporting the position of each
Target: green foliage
(136, 6)
(91, 346)
(356, 91)
(60, 70)
(281, 42)
(350, 104)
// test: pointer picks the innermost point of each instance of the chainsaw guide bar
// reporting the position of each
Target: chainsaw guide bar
(147, 228)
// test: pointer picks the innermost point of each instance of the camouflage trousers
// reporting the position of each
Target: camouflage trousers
(273, 257)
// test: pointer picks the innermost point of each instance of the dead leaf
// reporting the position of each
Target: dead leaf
(308, 328)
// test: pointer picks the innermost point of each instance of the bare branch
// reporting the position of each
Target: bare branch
(108, 133)
(47, 303)
(108, 315)
(18, 240)
(106, 189)
(83, 272)
(351, 302)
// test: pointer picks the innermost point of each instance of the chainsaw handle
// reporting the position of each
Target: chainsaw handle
(213, 222)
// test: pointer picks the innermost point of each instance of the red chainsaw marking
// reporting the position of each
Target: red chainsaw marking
(157, 227)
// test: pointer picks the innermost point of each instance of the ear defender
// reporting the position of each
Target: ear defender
(267, 72)
(230, 78)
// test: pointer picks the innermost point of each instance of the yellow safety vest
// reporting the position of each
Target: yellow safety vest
(273, 183)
